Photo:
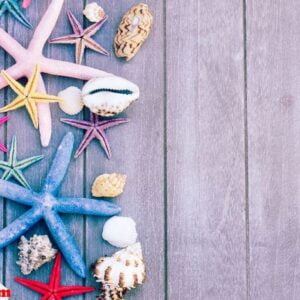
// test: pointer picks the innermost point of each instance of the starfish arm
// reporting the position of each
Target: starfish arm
(92, 29)
(87, 207)
(44, 98)
(13, 151)
(18, 175)
(60, 164)
(68, 69)
(111, 123)
(32, 83)
(25, 163)
(13, 105)
(11, 46)
(101, 136)
(4, 119)
(3, 148)
(4, 165)
(7, 174)
(55, 277)
(46, 26)
(65, 242)
(34, 285)
(67, 39)
(77, 123)
(66, 291)
(15, 72)
(33, 113)
(15, 85)
(90, 43)
(88, 137)
(16, 11)
(77, 28)
(17, 193)
(3, 8)
(79, 51)
(21, 225)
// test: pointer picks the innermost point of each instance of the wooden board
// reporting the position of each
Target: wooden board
(205, 150)
(273, 44)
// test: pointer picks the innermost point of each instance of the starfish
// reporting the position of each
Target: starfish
(2, 121)
(82, 37)
(47, 205)
(26, 3)
(54, 290)
(27, 59)
(28, 96)
(13, 7)
(94, 129)
(13, 168)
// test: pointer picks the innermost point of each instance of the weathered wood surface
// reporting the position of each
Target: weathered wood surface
(211, 151)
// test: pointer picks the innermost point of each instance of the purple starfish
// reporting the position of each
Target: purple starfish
(95, 129)
(2, 121)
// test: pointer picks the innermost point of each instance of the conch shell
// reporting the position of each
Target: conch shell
(109, 96)
(124, 270)
(94, 12)
(133, 30)
(109, 185)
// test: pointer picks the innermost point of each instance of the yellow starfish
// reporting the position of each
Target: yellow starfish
(28, 96)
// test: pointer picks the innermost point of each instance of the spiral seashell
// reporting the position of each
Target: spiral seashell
(94, 12)
(125, 269)
(109, 185)
(109, 96)
(133, 30)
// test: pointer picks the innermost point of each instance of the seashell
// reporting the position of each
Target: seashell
(109, 96)
(120, 231)
(111, 292)
(125, 269)
(109, 185)
(72, 103)
(5, 293)
(94, 12)
(34, 253)
(133, 30)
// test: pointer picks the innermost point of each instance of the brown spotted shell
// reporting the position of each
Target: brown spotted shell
(111, 292)
(133, 31)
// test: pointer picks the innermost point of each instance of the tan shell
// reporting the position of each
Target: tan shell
(133, 31)
(125, 269)
(109, 185)
(111, 292)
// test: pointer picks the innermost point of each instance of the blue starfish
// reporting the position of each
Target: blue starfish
(47, 205)
(13, 168)
(14, 8)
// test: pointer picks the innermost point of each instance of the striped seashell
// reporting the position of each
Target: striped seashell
(111, 292)
(133, 30)
(125, 269)
(109, 185)
(109, 96)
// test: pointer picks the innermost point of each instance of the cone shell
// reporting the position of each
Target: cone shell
(125, 269)
(109, 185)
(109, 96)
(133, 31)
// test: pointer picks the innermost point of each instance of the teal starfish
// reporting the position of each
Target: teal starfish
(14, 8)
(13, 168)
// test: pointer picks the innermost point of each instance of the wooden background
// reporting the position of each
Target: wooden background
(212, 151)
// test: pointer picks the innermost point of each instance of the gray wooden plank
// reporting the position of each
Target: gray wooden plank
(29, 144)
(137, 149)
(273, 33)
(205, 157)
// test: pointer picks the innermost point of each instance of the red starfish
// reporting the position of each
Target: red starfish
(53, 290)
(2, 121)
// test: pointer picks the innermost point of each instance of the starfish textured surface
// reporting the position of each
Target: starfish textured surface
(2, 121)
(28, 96)
(13, 167)
(27, 59)
(14, 8)
(82, 37)
(54, 290)
(47, 205)
(95, 129)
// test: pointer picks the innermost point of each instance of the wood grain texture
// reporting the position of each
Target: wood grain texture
(273, 30)
(205, 158)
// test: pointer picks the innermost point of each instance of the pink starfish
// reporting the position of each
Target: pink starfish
(27, 59)
(2, 121)
(26, 3)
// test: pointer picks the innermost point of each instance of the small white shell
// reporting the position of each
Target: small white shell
(109, 96)
(94, 12)
(125, 269)
(72, 103)
(120, 231)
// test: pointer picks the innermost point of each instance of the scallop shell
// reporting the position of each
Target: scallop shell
(125, 269)
(109, 185)
(109, 96)
(111, 292)
(72, 104)
(94, 12)
(133, 30)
